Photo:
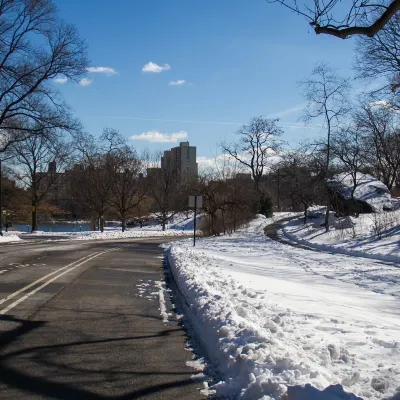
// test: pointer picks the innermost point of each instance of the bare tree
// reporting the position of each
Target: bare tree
(379, 56)
(163, 186)
(94, 183)
(379, 126)
(127, 187)
(348, 148)
(258, 142)
(29, 104)
(39, 160)
(357, 17)
(300, 181)
(326, 94)
(96, 180)
(228, 199)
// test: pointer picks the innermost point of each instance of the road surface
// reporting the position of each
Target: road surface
(81, 320)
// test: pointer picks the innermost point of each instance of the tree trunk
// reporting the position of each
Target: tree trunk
(102, 224)
(123, 223)
(326, 223)
(305, 213)
(34, 214)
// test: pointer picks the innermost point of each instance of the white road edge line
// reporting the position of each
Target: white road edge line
(23, 298)
(12, 295)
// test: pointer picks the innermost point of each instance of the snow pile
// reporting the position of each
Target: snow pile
(117, 234)
(369, 189)
(272, 317)
(180, 224)
(370, 235)
(9, 237)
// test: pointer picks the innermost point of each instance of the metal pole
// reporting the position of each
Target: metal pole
(279, 190)
(194, 222)
(1, 199)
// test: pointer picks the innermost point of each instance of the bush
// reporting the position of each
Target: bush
(266, 207)
(224, 223)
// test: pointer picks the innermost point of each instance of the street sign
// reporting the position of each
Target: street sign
(196, 201)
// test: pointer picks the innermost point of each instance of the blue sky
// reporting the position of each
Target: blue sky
(238, 59)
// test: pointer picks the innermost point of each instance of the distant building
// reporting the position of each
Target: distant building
(181, 160)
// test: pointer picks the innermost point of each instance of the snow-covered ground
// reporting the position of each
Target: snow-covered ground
(371, 235)
(271, 316)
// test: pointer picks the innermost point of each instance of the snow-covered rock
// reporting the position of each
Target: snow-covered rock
(368, 190)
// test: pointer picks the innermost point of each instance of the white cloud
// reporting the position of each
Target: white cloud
(214, 162)
(102, 70)
(62, 80)
(153, 67)
(85, 82)
(179, 82)
(159, 137)
(287, 111)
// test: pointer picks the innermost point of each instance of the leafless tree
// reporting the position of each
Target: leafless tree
(332, 17)
(348, 148)
(101, 159)
(94, 182)
(127, 187)
(39, 159)
(163, 186)
(16, 198)
(228, 200)
(327, 97)
(29, 104)
(379, 57)
(301, 183)
(258, 142)
(379, 126)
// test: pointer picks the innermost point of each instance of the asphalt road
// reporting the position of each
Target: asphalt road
(81, 320)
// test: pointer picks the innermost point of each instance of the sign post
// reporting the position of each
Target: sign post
(195, 202)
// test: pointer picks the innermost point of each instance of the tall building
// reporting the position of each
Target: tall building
(181, 160)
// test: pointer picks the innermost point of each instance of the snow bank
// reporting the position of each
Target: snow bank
(129, 234)
(369, 189)
(9, 237)
(375, 236)
(180, 225)
(271, 317)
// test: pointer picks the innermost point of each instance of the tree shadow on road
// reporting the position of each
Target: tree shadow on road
(15, 378)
